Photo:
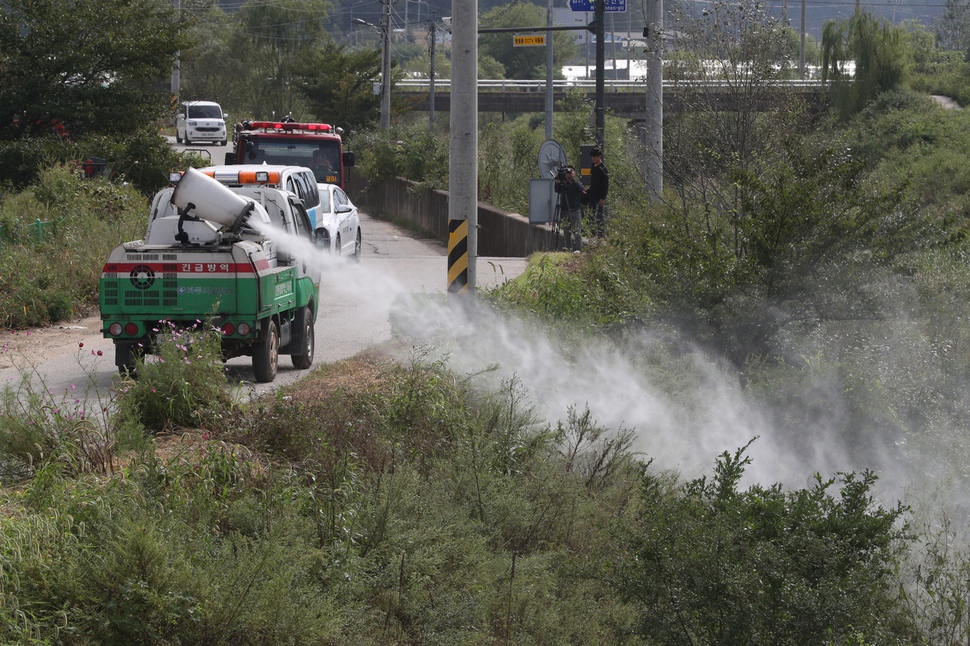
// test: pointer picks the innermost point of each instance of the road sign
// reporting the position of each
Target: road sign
(528, 41)
(588, 5)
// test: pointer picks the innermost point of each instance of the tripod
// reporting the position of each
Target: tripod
(557, 214)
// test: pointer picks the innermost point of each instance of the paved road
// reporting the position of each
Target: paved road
(356, 301)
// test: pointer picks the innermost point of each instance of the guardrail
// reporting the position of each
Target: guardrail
(610, 85)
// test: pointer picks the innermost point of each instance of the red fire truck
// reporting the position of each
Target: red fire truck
(318, 146)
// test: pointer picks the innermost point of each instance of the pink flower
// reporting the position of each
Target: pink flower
(100, 353)
(81, 344)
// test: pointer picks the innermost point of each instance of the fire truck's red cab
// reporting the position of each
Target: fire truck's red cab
(317, 146)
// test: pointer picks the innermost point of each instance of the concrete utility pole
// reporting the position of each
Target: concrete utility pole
(549, 64)
(431, 75)
(599, 19)
(801, 55)
(463, 159)
(653, 133)
(176, 67)
(386, 66)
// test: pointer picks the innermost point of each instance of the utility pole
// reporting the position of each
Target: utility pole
(653, 132)
(431, 75)
(463, 157)
(599, 20)
(384, 29)
(549, 64)
(386, 67)
(176, 67)
(801, 55)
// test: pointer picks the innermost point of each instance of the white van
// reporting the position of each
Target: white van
(199, 121)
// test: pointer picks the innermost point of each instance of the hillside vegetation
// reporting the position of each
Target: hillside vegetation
(386, 501)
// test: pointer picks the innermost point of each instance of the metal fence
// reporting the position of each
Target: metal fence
(38, 231)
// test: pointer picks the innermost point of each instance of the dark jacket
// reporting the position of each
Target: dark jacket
(572, 190)
(599, 184)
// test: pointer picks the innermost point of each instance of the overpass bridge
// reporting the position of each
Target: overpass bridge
(622, 97)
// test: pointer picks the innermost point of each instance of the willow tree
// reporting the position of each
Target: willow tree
(863, 56)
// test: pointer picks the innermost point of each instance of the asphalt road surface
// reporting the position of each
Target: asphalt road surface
(356, 301)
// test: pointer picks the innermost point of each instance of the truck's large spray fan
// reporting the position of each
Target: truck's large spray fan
(201, 196)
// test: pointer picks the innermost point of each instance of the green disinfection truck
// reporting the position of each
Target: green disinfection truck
(234, 257)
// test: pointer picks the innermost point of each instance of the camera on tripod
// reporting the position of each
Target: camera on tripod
(561, 173)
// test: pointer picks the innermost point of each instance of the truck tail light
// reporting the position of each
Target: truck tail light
(115, 329)
(244, 329)
(228, 329)
(131, 329)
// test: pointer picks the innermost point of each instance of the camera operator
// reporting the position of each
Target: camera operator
(571, 190)
(599, 186)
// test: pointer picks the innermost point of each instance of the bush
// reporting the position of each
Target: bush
(54, 276)
(183, 385)
(408, 151)
(143, 158)
(709, 563)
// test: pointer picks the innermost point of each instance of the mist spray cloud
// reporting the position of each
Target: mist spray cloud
(683, 425)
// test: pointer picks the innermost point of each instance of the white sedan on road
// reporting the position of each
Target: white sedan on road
(338, 224)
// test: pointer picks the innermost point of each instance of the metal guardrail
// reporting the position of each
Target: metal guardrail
(610, 85)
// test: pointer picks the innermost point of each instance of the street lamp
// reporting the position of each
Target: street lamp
(385, 31)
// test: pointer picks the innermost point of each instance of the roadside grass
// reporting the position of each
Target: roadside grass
(370, 503)
(375, 502)
(54, 276)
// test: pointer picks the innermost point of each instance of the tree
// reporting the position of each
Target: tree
(708, 563)
(96, 67)
(878, 51)
(275, 37)
(952, 28)
(338, 85)
(806, 238)
(740, 48)
(216, 66)
(523, 62)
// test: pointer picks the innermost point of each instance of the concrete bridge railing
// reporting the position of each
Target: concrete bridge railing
(501, 234)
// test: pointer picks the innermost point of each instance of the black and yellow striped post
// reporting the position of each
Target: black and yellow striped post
(457, 256)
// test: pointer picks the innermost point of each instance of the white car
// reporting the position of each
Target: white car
(338, 224)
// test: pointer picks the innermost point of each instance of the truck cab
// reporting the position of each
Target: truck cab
(318, 146)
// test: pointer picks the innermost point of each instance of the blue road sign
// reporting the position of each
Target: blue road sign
(587, 5)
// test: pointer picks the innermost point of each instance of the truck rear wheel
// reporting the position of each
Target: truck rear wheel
(266, 355)
(126, 358)
(304, 360)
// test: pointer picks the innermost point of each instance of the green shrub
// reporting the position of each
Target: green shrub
(710, 563)
(183, 385)
(407, 151)
(82, 220)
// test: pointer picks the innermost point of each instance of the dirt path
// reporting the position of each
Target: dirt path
(947, 102)
(43, 344)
